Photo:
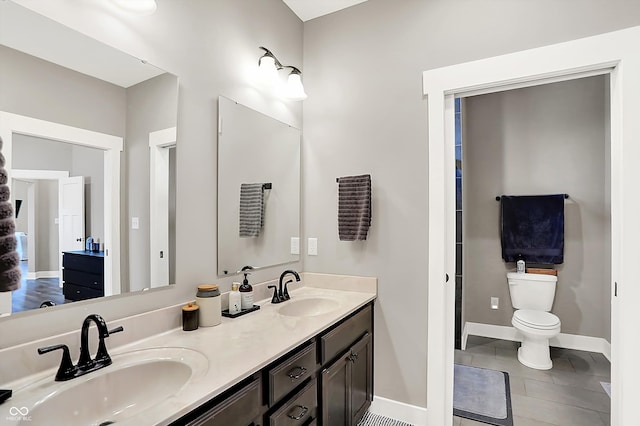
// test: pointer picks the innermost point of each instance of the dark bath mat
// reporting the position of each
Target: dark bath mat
(483, 395)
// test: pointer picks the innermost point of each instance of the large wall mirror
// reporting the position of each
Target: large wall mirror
(89, 128)
(258, 189)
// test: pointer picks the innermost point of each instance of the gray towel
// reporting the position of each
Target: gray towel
(10, 273)
(354, 207)
(251, 209)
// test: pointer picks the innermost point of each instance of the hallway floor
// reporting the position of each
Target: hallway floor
(570, 394)
(33, 292)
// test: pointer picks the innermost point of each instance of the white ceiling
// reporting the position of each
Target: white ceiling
(309, 9)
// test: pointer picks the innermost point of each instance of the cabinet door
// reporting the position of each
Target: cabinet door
(347, 385)
(335, 398)
(360, 378)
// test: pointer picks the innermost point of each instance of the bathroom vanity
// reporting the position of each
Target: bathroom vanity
(305, 361)
(327, 380)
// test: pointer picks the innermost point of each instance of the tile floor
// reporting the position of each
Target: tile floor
(570, 394)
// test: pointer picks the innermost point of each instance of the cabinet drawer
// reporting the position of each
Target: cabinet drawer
(291, 372)
(79, 262)
(78, 292)
(343, 336)
(300, 408)
(240, 409)
(86, 279)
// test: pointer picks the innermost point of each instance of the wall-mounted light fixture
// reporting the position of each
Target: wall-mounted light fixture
(140, 7)
(269, 66)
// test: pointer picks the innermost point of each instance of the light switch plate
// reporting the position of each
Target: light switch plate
(313, 247)
(135, 223)
(295, 245)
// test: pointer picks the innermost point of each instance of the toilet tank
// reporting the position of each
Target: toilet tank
(532, 291)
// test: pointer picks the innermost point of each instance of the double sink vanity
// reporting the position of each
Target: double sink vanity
(306, 361)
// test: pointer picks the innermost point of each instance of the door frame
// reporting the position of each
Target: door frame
(160, 142)
(613, 53)
(112, 146)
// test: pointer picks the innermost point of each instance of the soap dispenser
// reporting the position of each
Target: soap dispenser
(246, 293)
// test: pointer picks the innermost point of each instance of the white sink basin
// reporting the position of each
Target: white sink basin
(308, 307)
(134, 382)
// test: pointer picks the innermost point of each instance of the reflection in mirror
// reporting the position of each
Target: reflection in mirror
(58, 84)
(258, 189)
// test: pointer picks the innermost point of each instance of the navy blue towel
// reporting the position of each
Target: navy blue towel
(532, 226)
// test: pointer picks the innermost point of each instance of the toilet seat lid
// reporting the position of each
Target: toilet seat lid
(536, 319)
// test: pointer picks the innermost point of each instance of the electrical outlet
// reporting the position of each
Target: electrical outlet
(495, 302)
(295, 245)
(135, 223)
(312, 247)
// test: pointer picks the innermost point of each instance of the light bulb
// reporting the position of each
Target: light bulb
(294, 89)
(268, 72)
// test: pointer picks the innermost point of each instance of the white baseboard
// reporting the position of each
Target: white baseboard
(45, 274)
(562, 340)
(399, 411)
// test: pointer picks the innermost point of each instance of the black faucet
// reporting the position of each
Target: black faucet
(284, 295)
(67, 370)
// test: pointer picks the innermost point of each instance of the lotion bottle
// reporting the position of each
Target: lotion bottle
(246, 293)
(235, 304)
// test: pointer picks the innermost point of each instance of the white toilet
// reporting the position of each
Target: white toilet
(532, 296)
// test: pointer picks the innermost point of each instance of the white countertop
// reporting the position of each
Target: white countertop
(235, 349)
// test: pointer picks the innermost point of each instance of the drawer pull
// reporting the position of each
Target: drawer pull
(353, 357)
(295, 376)
(303, 412)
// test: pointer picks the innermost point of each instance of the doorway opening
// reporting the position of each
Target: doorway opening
(597, 55)
(540, 140)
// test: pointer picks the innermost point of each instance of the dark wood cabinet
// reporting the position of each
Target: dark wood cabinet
(240, 406)
(327, 380)
(347, 385)
(82, 275)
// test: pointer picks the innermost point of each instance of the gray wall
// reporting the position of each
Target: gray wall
(540, 140)
(366, 114)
